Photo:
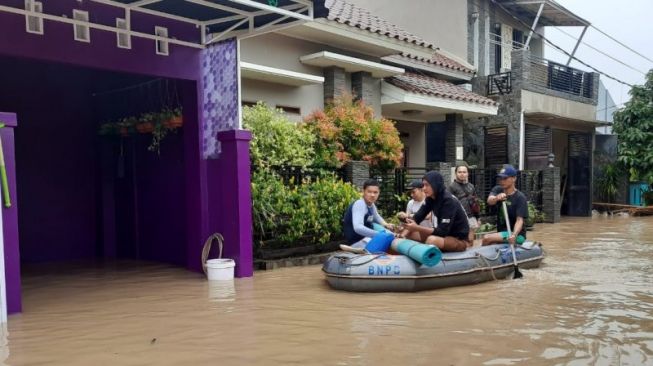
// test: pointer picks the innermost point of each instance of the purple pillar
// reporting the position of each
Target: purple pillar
(224, 168)
(235, 214)
(10, 216)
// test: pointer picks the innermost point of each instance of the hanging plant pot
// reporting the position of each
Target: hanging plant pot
(145, 127)
(174, 122)
(124, 131)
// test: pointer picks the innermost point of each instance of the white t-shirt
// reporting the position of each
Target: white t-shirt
(413, 206)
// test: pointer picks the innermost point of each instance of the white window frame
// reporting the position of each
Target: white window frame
(82, 32)
(162, 46)
(34, 6)
(122, 24)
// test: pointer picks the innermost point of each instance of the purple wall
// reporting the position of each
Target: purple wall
(55, 157)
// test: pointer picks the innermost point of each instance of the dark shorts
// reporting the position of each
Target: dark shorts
(453, 244)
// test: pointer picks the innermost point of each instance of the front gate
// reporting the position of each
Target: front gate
(579, 175)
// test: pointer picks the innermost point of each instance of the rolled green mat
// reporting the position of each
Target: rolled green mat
(427, 255)
(377, 227)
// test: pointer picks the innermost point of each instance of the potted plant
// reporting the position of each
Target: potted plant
(126, 127)
(108, 129)
(173, 118)
(158, 134)
(145, 124)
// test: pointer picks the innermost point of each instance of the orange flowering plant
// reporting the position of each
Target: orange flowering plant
(348, 130)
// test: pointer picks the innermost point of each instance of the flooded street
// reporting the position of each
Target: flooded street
(590, 304)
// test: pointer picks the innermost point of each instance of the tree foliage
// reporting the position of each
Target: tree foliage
(348, 130)
(634, 126)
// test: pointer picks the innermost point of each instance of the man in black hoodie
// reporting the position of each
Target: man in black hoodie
(452, 232)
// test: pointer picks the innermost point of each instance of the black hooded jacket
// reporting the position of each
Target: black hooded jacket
(452, 219)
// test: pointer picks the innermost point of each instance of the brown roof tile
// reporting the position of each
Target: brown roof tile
(426, 85)
(440, 60)
(346, 13)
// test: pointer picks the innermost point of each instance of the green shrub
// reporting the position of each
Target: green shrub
(534, 215)
(287, 214)
(277, 141)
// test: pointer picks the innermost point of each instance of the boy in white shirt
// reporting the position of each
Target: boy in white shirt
(418, 198)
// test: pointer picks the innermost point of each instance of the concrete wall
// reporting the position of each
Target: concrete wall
(415, 141)
(441, 22)
(536, 102)
(308, 98)
(275, 50)
(283, 52)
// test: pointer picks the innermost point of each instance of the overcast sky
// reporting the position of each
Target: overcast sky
(628, 21)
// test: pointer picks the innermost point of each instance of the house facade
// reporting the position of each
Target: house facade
(349, 49)
(546, 107)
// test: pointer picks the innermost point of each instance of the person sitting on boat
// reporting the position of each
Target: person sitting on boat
(451, 233)
(517, 205)
(362, 214)
(465, 191)
(418, 197)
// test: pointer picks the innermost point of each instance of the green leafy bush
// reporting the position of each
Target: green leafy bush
(288, 213)
(277, 141)
(348, 130)
(534, 215)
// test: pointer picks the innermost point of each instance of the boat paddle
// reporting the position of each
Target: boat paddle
(512, 246)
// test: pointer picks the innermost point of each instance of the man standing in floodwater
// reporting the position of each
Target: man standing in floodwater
(517, 205)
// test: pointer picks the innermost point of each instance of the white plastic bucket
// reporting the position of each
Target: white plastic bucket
(221, 269)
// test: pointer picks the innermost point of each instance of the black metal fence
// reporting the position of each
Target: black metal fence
(528, 182)
(293, 175)
(394, 184)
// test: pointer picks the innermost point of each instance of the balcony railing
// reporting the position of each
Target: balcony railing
(544, 74)
(559, 77)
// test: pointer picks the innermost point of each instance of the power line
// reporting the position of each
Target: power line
(528, 26)
(601, 52)
(628, 48)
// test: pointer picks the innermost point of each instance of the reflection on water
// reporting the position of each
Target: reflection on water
(591, 303)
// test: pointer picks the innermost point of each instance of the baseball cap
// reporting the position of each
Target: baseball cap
(507, 171)
(415, 183)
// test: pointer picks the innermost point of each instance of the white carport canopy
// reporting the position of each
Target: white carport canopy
(215, 19)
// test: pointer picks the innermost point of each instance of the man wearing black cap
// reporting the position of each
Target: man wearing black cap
(517, 205)
(452, 231)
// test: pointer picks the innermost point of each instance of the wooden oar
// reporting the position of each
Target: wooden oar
(512, 246)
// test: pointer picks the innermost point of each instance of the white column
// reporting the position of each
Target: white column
(3, 282)
(522, 142)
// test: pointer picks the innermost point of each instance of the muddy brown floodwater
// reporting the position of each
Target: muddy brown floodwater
(590, 304)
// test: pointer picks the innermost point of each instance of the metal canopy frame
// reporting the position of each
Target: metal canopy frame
(551, 13)
(215, 20)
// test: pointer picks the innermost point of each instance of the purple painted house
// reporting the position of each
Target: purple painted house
(69, 65)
